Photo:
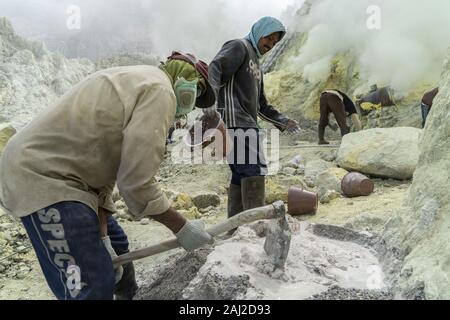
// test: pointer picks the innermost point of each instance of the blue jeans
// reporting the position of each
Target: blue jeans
(425, 111)
(247, 158)
(67, 242)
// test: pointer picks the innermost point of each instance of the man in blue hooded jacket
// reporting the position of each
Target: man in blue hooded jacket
(236, 77)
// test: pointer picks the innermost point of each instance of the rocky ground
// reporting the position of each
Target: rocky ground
(200, 192)
(402, 226)
(338, 293)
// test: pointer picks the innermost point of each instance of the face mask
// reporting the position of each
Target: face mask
(186, 94)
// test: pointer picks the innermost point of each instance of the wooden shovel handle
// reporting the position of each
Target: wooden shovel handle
(275, 210)
(103, 220)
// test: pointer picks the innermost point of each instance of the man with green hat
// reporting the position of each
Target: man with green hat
(57, 174)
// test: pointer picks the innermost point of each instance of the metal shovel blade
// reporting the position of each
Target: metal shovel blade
(278, 241)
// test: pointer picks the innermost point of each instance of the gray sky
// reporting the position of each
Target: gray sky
(159, 26)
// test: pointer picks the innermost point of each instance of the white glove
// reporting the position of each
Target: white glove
(193, 235)
(292, 126)
(113, 254)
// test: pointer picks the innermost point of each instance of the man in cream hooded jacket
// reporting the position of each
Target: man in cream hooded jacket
(58, 173)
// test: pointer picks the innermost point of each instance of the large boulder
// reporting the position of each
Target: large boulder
(418, 238)
(390, 153)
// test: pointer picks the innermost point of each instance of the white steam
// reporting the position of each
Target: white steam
(157, 27)
(408, 49)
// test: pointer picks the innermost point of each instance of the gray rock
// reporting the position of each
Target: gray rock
(338, 293)
(222, 190)
(7, 236)
(206, 210)
(321, 191)
(289, 171)
(21, 249)
(313, 169)
(120, 204)
(301, 170)
(6, 263)
(145, 221)
(297, 161)
(5, 226)
(415, 291)
(290, 165)
(21, 274)
(116, 195)
(123, 215)
(218, 287)
(329, 196)
(172, 276)
(406, 272)
(205, 200)
(418, 236)
(331, 179)
(169, 193)
(329, 155)
(384, 152)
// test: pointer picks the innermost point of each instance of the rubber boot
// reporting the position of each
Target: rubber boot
(127, 287)
(253, 192)
(234, 202)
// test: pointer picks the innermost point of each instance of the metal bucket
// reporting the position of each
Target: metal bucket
(301, 201)
(354, 184)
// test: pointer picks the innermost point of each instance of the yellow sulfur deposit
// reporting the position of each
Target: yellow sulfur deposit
(6, 132)
(288, 90)
(191, 214)
(182, 202)
(275, 192)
